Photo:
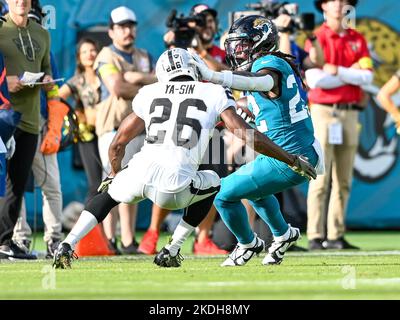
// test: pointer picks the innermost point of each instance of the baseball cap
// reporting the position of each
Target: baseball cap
(122, 15)
(202, 8)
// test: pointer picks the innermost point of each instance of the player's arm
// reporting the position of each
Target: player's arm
(264, 145)
(385, 98)
(130, 127)
(263, 81)
(114, 81)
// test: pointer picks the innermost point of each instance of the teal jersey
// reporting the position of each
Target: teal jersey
(286, 119)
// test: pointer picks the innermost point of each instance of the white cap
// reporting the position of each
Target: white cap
(122, 15)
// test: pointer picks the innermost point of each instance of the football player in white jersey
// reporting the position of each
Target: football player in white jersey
(179, 113)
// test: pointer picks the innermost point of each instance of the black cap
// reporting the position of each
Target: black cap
(318, 3)
(202, 8)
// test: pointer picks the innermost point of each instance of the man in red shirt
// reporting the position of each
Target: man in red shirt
(335, 98)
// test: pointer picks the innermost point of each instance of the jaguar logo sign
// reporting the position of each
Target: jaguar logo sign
(379, 148)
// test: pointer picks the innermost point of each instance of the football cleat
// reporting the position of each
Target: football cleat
(278, 248)
(63, 256)
(165, 260)
(240, 255)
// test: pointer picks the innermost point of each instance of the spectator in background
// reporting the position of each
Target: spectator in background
(123, 69)
(26, 47)
(385, 98)
(335, 98)
(45, 165)
(5, 152)
(84, 87)
(305, 60)
(212, 54)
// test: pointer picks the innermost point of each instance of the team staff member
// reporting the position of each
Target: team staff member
(26, 47)
(335, 98)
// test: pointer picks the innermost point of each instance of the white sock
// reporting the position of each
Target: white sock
(283, 237)
(181, 233)
(85, 223)
(251, 244)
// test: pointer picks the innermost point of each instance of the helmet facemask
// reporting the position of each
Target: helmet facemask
(239, 53)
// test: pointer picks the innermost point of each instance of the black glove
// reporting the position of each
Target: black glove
(303, 167)
(104, 184)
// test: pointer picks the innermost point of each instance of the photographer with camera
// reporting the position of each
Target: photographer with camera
(197, 32)
(288, 22)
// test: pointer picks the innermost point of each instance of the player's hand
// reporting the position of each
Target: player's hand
(303, 167)
(104, 184)
(206, 73)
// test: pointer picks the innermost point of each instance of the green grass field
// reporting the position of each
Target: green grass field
(372, 273)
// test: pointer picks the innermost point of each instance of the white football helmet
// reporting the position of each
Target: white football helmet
(174, 63)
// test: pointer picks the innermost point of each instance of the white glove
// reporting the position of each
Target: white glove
(206, 73)
(10, 145)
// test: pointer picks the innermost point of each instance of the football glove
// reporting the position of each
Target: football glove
(206, 73)
(303, 167)
(104, 184)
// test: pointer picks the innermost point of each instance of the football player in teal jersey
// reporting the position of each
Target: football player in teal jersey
(268, 78)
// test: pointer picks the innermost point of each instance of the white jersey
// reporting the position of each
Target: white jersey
(180, 118)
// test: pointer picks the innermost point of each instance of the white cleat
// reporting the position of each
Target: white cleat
(277, 249)
(240, 256)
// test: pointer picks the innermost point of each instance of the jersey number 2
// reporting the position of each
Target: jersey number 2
(181, 120)
(295, 114)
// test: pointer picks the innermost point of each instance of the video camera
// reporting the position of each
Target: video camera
(184, 28)
(273, 9)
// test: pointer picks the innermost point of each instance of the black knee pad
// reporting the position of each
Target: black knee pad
(100, 205)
